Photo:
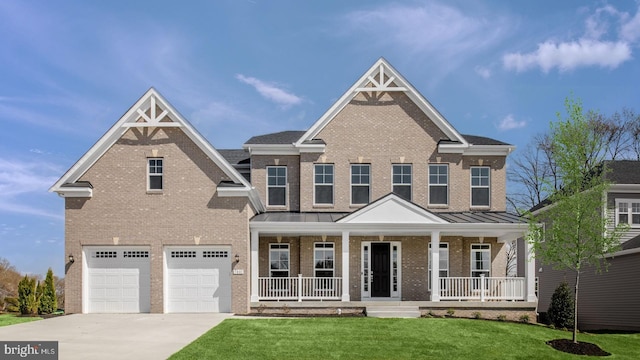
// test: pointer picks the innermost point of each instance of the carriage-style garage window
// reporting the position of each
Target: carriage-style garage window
(276, 185)
(402, 180)
(480, 186)
(155, 173)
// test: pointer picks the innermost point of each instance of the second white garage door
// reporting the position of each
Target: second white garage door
(198, 279)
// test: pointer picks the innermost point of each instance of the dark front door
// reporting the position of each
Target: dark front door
(381, 269)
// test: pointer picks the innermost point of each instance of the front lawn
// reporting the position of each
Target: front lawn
(10, 319)
(370, 338)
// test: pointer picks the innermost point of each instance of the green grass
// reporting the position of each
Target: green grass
(369, 338)
(10, 319)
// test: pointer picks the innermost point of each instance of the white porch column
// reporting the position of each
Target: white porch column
(530, 272)
(435, 266)
(254, 265)
(345, 266)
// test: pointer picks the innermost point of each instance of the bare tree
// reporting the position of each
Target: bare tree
(512, 259)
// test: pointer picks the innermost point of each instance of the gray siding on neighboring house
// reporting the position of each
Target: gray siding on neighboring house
(609, 300)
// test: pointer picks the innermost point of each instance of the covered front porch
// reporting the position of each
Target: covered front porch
(385, 252)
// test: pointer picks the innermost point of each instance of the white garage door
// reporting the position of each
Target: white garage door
(198, 279)
(118, 279)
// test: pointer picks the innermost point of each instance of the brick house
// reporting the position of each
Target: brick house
(334, 219)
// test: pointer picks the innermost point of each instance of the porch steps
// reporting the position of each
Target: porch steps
(396, 311)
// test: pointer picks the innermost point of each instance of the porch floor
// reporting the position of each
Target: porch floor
(392, 303)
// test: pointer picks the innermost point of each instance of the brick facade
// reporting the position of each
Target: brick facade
(187, 212)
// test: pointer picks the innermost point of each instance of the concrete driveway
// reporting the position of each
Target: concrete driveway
(116, 336)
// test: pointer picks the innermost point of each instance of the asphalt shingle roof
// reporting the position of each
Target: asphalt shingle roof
(481, 140)
(623, 171)
(235, 156)
(282, 137)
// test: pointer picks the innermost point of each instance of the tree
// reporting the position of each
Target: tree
(48, 299)
(561, 309)
(512, 259)
(576, 234)
(59, 291)
(9, 279)
(27, 296)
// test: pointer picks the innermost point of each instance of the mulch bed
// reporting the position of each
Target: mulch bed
(579, 348)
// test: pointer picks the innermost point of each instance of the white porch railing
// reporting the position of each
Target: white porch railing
(299, 288)
(482, 288)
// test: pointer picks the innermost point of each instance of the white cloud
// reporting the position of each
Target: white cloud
(271, 91)
(442, 35)
(483, 72)
(599, 46)
(510, 123)
(570, 55)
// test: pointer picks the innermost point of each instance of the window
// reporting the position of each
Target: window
(480, 186)
(402, 181)
(154, 181)
(276, 185)
(360, 181)
(279, 260)
(323, 184)
(444, 262)
(323, 256)
(480, 260)
(438, 184)
(628, 212)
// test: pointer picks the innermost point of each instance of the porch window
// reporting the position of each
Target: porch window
(279, 260)
(480, 186)
(155, 174)
(444, 262)
(323, 256)
(323, 184)
(402, 181)
(438, 184)
(628, 212)
(360, 183)
(480, 260)
(276, 185)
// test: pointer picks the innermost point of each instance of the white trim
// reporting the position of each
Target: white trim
(333, 249)
(75, 192)
(623, 252)
(151, 97)
(149, 174)
(288, 248)
(472, 259)
(629, 212)
(471, 187)
(402, 85)
(624, 188)
(351, 184)
(366, 295)
(85, 280)
(271, 149)
(429, 262)
(392, 209)
(393, 184)
(333, 187)
(437, 185)
(285, 186)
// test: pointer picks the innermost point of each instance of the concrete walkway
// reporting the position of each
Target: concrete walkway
(116, 336)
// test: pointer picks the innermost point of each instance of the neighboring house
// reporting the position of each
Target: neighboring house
(608, 300)
(328, 219)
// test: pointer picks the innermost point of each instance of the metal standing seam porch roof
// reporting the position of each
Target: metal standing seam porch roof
(465, 217)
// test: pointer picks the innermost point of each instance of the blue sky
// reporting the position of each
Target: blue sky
(236, 69)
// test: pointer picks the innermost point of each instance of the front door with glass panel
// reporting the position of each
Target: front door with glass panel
(380, 270)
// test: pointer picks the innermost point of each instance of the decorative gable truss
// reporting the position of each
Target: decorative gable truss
(152, 111)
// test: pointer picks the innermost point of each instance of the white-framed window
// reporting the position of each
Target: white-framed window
(323, 184)
(628, 212)
(480, 260)
(480, 186)
(401, 180)
(438, 184)
(276, 185)
(360, 183)
(443, 254)
(155, 173)
(323, 259)
(278, 260)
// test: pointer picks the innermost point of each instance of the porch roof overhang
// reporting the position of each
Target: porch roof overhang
(287, 223)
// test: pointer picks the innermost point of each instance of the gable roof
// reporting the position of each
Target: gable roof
(144, 113)
(392, 209)
(283, 137)
(623, 171)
